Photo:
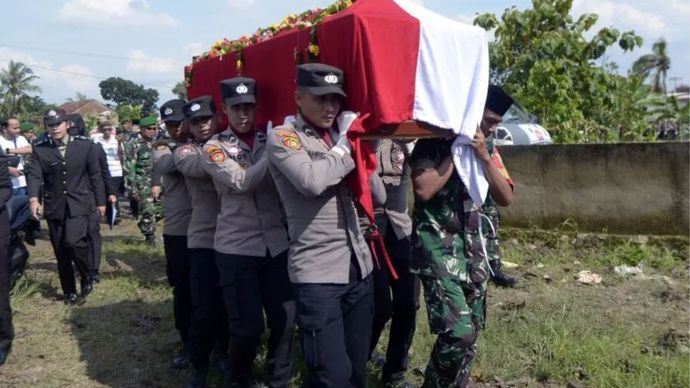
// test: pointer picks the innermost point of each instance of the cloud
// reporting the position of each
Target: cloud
(114, 13)
(193, 48)
(57, 82)
(623, 15)
(241, 3)
(140, 62)
(465, 18)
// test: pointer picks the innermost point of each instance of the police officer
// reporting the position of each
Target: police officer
(209, 322)
(329, 262)
(139, 166)
(448, 256)
(73, 188)
(6, 329)
(177, 209)
(395, 300)
(251, 240)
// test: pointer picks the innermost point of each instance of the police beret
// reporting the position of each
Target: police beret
(321, 79)
(172, 110)
(238, 90)
(199, 107)
(54, 116)
(497, 100)
(26, 126)
(148, 121)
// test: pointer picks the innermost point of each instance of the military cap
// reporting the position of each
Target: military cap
(199, 107)
(54, 116)
(238, 90)
(497, 100)
(172, 110)
(321, 79)
(26, 126)
(148, 121)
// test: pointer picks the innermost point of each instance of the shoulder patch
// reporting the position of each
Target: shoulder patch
(290, 139)
(215, 153)
(42, 142)
(161, 146)
(186, 150)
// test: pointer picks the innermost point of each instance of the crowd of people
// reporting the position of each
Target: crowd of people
(261, 228)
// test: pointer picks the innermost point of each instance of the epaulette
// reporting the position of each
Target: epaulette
(82, 137)
(41, 142)
(228, 136)
(161, 146)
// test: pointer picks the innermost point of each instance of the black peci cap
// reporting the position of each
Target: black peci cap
(54, 116)
(238, 90)
(199, 107)
(172, 110)
(321, 79)
(497, 100)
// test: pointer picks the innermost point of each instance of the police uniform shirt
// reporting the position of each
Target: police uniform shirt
(394, 171)
(251, 217)
(204, 198)
(177, 204)
(322, 218)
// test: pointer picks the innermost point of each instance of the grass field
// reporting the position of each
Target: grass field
(550, 331)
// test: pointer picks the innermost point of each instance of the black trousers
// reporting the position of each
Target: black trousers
(70, 244)
(95, 243)
(252, 285)
(335, 331)
(209, 324)
(6, 329)
(177, 267)
(397, 301)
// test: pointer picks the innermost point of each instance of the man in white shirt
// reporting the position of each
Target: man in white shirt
(16, 145)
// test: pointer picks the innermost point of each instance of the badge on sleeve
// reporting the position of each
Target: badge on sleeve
(215, 153)
(498, 162)
(290, 139)
(161, 147)
(185, 150)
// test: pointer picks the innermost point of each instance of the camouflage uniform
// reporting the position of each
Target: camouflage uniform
(490, 209)
(449, 259)
(138, 169)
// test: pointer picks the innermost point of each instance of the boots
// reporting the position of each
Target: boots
(151, 240)
(499, 278)
(197, 379)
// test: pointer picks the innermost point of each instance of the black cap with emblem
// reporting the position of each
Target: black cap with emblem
(54, 116)
(497, 100)
(238, 90)
(199, 107)
(172, 110)
(321, 79)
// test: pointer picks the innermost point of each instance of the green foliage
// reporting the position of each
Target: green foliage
(127, 112)
(658, 62)
(180, 90)
(543, 58)
(16, 85)
(126, 92)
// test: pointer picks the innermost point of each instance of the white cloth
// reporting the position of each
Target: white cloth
(18, 142)
(110, 147)
(451, 84)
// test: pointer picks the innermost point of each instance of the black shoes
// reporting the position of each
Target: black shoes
(197, 379)
(71, 299)
(86, 286)
(499, 278)
(181, 360)
(221, 362)
(3, 356)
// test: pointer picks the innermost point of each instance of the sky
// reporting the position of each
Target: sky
(74, 44)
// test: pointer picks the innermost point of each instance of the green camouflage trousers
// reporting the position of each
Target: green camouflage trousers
(150, 211)
(456, 313)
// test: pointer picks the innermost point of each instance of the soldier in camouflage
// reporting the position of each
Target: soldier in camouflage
(139, 164)
(449, 239)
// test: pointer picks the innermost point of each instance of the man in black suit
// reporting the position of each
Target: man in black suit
(73, 189)
(6, 331)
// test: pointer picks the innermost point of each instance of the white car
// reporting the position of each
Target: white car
(520, 128)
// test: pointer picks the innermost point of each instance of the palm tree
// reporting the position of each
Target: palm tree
(15, 86)
(658, 62)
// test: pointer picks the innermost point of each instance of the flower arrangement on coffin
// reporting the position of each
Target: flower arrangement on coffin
(308, 19)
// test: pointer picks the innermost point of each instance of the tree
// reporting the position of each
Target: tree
(16, 83)
(180, 90)
(128, 112)
(79, 97)
(125, 92)
(657, 62)
(544, 59)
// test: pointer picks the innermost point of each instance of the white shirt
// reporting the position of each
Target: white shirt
(110, 147)
(18, 142)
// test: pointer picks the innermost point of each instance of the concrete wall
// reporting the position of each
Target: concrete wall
(621, 188)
